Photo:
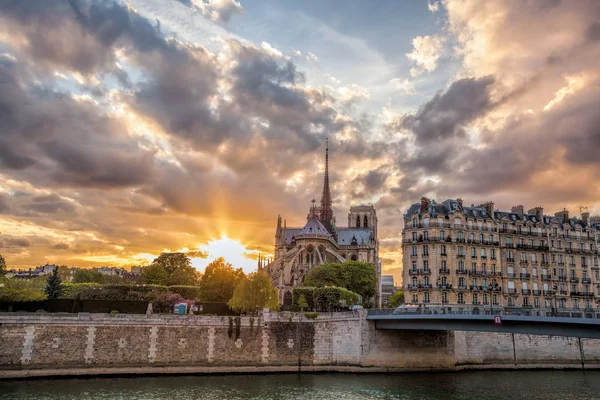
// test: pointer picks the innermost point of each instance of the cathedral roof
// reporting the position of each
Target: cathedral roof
(345, 235)
(314, 227)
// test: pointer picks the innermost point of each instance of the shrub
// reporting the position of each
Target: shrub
(307, 293)
(324, 299)
(114, 312)
(311, 315)
(187, 292)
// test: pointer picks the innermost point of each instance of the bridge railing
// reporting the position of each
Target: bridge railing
(488, 310)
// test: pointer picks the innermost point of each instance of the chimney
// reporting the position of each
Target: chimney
(459, 201)
(585, 217)
(518, 210)
(424, 204)
(489, 207)
(564, 215)
(538, 211)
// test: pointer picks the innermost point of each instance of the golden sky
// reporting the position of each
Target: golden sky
(130, 128)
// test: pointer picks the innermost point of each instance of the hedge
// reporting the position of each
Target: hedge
(95, 291)
(325, 299)
(187, 292)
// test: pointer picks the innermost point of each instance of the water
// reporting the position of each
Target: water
(530, 385)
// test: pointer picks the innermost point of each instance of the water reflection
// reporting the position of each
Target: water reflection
(542, 385)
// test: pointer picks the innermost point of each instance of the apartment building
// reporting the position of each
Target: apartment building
(482, 257)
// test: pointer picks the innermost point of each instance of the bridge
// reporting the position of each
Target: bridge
(582, 325)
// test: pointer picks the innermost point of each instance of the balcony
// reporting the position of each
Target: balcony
(523, 262)
(484, 257)
(414, 256)
(446, 286)
(586, 280)
(443, 254)
(548, 292)
(426, 286)
(562, 278)
(510, 260)
(414, 271)
(511, 275)
(460, 256)
(444, 271)
(536, 292)
(525, 276)
(525, 291)
(464, 287)
(574, 279)
(426, 271)
(461, 271)
(546, 277)
(562, 292)
(496, 273)
(582, 294)
(512, 291)
(425, 255)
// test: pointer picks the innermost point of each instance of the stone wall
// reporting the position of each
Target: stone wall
(100, 344)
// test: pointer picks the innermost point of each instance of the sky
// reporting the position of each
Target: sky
(129, 128)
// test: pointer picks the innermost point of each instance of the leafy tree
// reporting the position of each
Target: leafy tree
(254, 292)
(396, 299)
(53, 287)
(178, 267)
(65, 273)
(87, 275)
(356, 276)
(155, 274)
(219, 281)
(302, 303)
(22, 289)
(2, 266)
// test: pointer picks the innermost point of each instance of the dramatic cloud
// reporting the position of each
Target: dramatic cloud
(426, 53)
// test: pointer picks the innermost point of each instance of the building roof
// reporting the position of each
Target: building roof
(345, 235)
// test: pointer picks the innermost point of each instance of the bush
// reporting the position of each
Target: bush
(94, 291)
(311, 315)
(187, 292)
(307, 293)
(325, 299)
(114, 312)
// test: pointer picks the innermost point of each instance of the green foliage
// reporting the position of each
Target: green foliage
(356, 276)
(53, 287)
(302, 304)
(87, 275)
(93, 291)
(178, 268)
(325, 299)
(187, 292)
(305, 292)
(114, 312)
(311, 315)
(22, 289)
(2, 266)
(396, 299)
(219, 281)
(155, 275)
(254, 292)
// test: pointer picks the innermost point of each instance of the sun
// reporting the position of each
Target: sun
(231, 250)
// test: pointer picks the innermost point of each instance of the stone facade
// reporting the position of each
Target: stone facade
(481, 257)
(57, 345)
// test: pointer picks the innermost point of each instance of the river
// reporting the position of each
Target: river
(530, 385)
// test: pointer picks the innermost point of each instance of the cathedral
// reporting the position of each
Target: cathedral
(320, 241)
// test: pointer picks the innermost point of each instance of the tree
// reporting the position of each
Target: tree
(219, 281)
(22, 289)
(302, 303)
(2, 266)
(396, 299)
(87, 275)
(356, 276)
(155, 275)
(254, 292)
(178, 267)
(54, 286)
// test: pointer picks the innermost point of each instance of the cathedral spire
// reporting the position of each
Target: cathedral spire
(326, 212)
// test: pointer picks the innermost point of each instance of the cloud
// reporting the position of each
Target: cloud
(270, 50)
(403, 86)
(311, 57)
(61, 246)
(216, 10)
(353, 93)
(433, 7)
(426, 53)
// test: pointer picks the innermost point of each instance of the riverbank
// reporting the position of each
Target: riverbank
(86, 345)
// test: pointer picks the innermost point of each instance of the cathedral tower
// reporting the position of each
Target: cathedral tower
(326, 212)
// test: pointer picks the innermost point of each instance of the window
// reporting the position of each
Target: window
(461, 251)
(583, 262)
(495, 299)
(444, 297)
(562, 303)
(460, 236)
(511, 302)
(461, 265)
(534, 272)
(366, 222)
(576, 301)
(426, 297)
(470, 223)
(534, 258)
(484, 283)
(425, 250)
(483, 253)
(426, 281)
(358, 222)
(473, 252)
(485, 299)
(474, 282)
(444, 281)
(525, 301)
(523, 257)
(493, 253)
(442, 235)
(471, 237)
(475, 298)
(483, 268)
(426, 266)
(461, 298)
(443, 250)
(474, 267)
(461, 282)
(415, 222)
(536, 301)
(414, 266)
(444, 265)
(414, 281)
(414, 251)
(547, 303)
(415, 297)
(414, 236)
(425, 235)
